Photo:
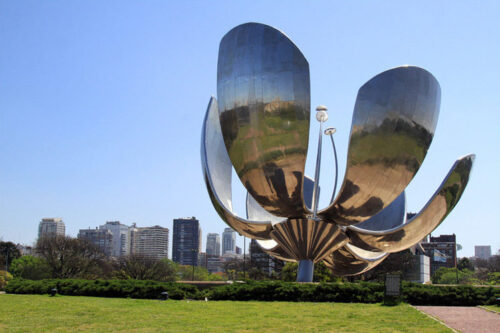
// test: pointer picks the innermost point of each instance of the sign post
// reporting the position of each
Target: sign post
(392, 289)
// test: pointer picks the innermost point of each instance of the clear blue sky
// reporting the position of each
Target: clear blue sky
(101, 102)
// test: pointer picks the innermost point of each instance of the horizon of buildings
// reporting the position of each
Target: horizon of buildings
(116, 239)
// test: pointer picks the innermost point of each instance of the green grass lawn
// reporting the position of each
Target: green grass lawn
(495, 308)
(41, 313)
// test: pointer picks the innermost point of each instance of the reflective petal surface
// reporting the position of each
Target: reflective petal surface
(217, 173)
(350, 260)
(308, 239)
(390, 217)
(393, 124)
(428, 219)
(273, 249)
(264, 105)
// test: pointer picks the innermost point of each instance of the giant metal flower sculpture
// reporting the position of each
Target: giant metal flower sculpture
(260, 126)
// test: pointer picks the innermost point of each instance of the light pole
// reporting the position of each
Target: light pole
(192, 277)
(306, 267)
(331, 131)
(244, 257)
(321, 116)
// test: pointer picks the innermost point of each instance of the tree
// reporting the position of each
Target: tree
(69, 257)
(400, 262)
(234, 269)
(185, 273)
(448, 275)
(8, 252)
(465, 263)
(4, 279)
(145, 268)
(29, 267)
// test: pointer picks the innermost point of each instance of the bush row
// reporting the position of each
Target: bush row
(362, 292)
(103, 288)
(463, 295)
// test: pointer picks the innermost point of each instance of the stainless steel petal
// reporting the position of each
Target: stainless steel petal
(308, 239)
(217, 173)
(393, 124)
(264, 105)
(350, 260)
(256, 213)
(428, 219)
(272, 248)
(390, 217)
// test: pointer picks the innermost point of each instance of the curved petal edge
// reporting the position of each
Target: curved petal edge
(217, 174)
(393, 125)
(429, 218)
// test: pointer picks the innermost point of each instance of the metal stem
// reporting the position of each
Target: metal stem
(336, 169)
(305, 271)
(315, 198)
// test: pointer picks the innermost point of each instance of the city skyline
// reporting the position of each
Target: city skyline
(91, 230)
(102, 105)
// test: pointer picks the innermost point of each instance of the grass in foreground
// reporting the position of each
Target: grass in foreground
(495, 308)
(41, 313)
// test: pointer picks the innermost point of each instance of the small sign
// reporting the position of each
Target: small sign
(392, 285)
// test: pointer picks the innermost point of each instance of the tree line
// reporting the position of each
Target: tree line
(67, 257)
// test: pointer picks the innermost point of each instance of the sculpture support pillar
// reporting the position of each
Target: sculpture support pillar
(305, 271)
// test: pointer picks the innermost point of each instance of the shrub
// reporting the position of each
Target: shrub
(30, 267)
(362, 292)
(104, 288)
(5, 277)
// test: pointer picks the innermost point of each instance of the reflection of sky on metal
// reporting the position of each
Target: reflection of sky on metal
(263, 90)
(393, 123)
(265, 132)
(437, 208)
(217, 173)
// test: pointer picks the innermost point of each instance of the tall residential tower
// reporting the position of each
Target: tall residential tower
(186, 241)
(213, 244)
(228, 241)
(121, 238)
(51, 227)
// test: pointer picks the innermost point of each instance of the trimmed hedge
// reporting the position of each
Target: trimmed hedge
(463, 295)
(104, 288)
(362, 292)
(299, 292)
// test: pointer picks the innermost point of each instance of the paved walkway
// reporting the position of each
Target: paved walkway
(465, 319)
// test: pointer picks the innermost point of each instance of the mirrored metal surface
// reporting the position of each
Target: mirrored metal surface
(390, 217)
(264, 105)
(350, 260)
(273, 249)
(308, 239)
(428, 219)
(217, 173)
(393, 124)
(261, 127)
(256, 213)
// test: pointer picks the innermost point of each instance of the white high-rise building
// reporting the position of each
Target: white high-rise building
(228, 241)
(150, 242)
(51, 227)
(482, 251)
(213, 244)
(121, 238)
